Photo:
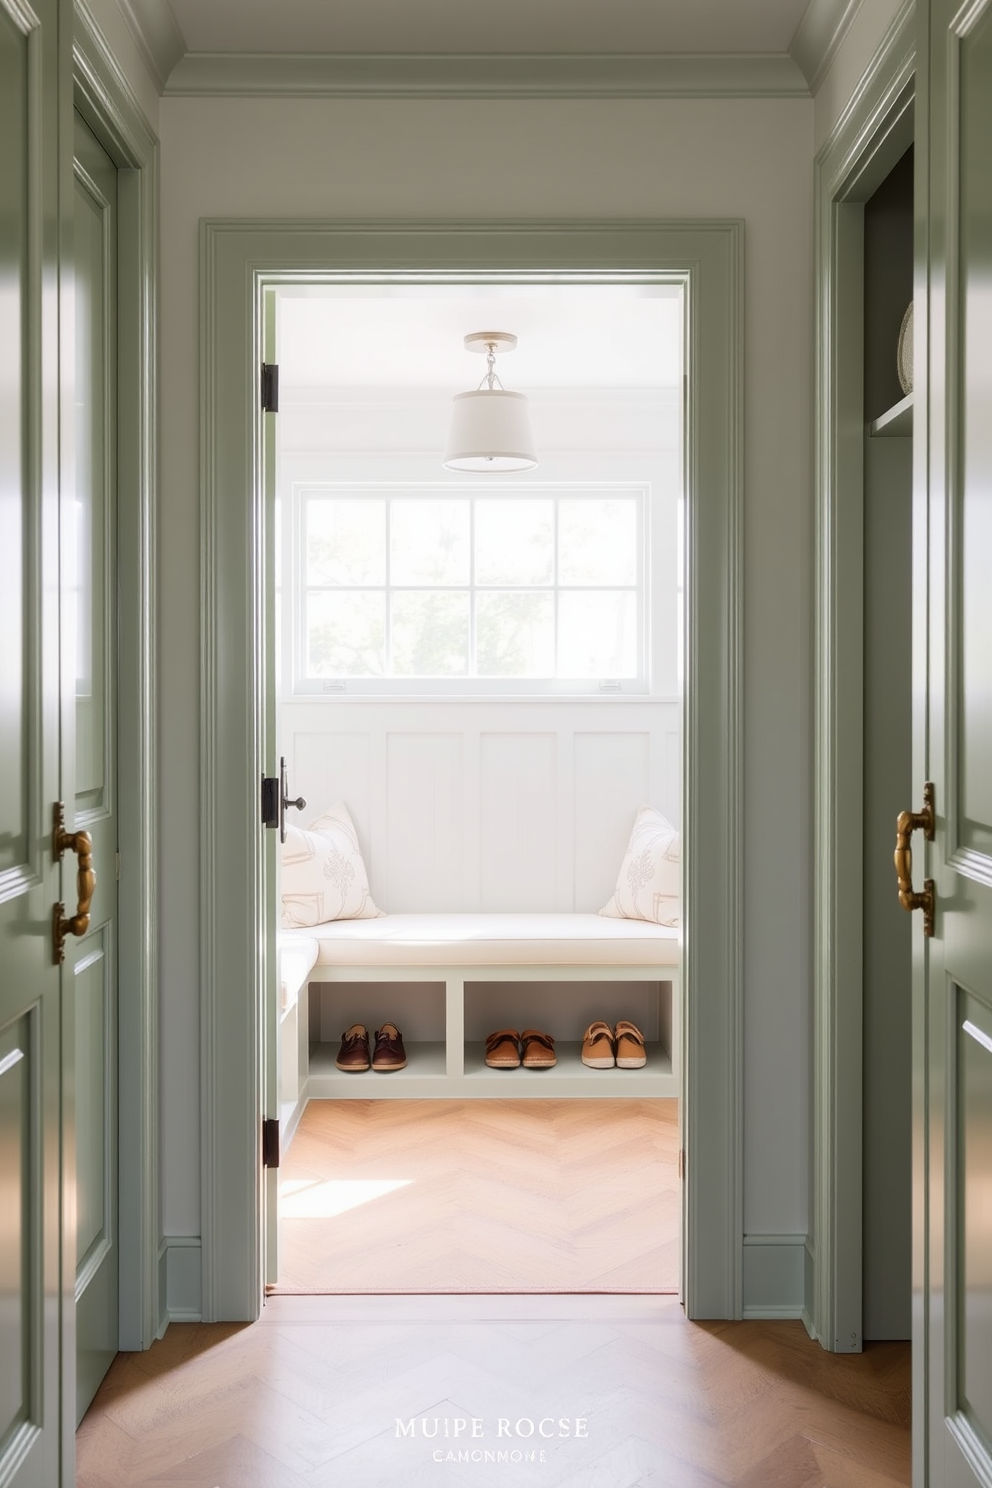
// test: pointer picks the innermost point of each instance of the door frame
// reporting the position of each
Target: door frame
(106, 102)
(237, 259)
(872, 135)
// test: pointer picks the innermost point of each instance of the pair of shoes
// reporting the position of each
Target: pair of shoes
(507, 1049)
(603, 1047)
(389, 1054)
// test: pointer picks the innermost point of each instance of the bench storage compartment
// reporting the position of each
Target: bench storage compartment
(448, 980)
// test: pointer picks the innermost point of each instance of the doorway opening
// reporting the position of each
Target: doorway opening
(483, 670)
(241, 262)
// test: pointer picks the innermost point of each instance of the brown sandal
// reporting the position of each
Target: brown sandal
(503, 1049)
(597, 1046)
(630, 1046)
(539, 1049)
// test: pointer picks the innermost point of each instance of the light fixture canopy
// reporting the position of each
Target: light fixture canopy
(490, 427)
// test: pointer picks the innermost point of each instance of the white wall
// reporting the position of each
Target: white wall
(532, 160)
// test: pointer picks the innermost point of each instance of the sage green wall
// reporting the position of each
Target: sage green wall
(111, 25)
(872, 21)
(529, 160)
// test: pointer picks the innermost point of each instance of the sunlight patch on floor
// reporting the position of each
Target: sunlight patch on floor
(307, 1199)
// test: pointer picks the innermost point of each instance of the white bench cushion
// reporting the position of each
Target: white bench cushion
(491, 940)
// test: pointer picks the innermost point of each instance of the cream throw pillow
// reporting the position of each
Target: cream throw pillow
(323, 875)
(648, 883)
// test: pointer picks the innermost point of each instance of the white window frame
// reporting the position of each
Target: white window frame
(302, 490)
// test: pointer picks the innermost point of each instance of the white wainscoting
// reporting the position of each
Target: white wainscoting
(486, 805)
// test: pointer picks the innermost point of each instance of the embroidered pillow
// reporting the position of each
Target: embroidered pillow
(648, 883)
(323, 874)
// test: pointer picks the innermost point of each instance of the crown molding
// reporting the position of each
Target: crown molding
(374, 75)
(156, 34)
(819, 35)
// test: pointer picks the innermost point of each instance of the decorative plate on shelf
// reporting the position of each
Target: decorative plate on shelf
(904, 351)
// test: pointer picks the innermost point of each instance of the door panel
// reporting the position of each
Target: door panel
(91, 758)
(14, 514)
(953, 674)
(33, 1308)
(973, 497)
(974, 1159)
(17, 1074)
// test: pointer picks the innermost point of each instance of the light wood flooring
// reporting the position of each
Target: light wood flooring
(481, 1196)
(310, 1397)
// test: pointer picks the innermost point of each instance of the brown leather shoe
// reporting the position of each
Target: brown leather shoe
(538, 1049)
(353, 1055)
(598, 1048)
(389, 1051)
(503, 1049)
(631, 1053)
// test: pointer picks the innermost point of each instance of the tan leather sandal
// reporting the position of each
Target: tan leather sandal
(503, 1049)
(597, 1046)
(538, 1049)
(631, 1053)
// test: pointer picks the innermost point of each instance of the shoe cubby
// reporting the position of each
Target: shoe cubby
(565, 1010)
(444, 1024)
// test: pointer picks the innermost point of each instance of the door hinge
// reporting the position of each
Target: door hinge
(270, 1142)
(681, 1162)
(270, 800)
(118, 865)
(270, 387)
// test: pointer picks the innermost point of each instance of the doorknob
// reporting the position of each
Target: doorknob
(907, 823)
(81, 843)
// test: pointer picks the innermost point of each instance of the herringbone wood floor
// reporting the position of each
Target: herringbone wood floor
(309, 1397)
(494, 1195)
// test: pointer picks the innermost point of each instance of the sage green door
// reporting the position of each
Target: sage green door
(90, 761)
(35, 1287)
(953, 676)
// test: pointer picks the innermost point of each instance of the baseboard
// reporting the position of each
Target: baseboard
(179, 1280)
(774, 1276)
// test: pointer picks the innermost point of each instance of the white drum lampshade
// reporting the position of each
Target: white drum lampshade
(490, 427)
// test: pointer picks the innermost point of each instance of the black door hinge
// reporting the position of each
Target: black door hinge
(270, 387)
(270, 1142)
(270, 800)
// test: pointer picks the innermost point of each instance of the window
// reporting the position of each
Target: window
(536, 587)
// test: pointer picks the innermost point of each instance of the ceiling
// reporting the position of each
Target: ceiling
(482, 26)
(640, 47)
(578, 336)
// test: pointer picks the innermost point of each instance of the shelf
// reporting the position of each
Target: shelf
(426, 1077)
(896, 422)
(425, 1066)
(569, 1067)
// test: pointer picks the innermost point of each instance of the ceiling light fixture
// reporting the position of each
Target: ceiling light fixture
(490, 427)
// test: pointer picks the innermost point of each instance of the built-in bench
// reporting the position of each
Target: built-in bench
(449, 979)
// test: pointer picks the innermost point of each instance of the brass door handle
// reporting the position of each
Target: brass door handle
(81, 843)
(907, 823)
